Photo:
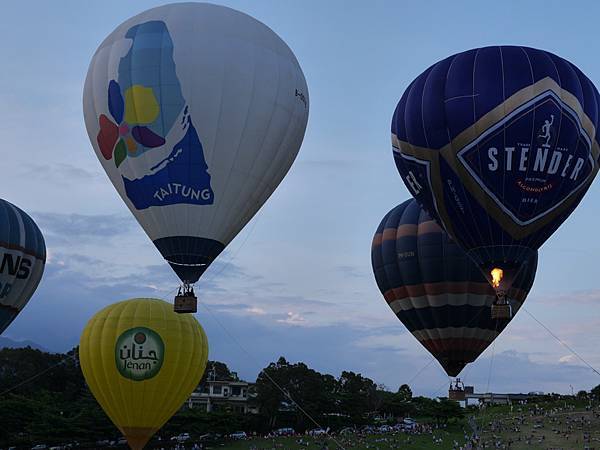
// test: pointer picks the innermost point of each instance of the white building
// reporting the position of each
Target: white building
(218, 395)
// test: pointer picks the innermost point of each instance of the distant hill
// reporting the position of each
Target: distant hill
(6, 342)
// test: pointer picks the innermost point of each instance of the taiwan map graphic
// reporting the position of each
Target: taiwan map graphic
(150, 135)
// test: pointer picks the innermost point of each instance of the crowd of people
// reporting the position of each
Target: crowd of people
(531, 425)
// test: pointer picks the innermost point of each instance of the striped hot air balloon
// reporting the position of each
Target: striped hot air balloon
(435, 289)
(22, 260)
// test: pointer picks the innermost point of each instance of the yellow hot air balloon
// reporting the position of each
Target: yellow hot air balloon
(141, 361)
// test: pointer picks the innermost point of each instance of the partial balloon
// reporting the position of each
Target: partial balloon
(196, 112)
(141, 361)
(500, 145)
(435, 289)
(23, 256)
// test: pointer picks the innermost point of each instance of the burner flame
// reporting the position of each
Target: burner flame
(497, 275)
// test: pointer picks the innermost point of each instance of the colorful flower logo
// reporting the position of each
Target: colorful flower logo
(122, 137)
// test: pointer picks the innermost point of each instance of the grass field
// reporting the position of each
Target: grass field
(374, 441)
(555, 426)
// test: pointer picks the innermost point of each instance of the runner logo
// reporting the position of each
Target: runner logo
(545, 135)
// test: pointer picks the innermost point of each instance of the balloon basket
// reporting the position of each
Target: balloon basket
(185, 303)
(456, 391)
(456, 394)
(501, 312)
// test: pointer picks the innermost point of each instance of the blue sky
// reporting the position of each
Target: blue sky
(297, 281)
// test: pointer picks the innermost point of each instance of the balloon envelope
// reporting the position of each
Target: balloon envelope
(141, 361)
(196, 112)
(22, 260)
(499, 144)
(435, 289)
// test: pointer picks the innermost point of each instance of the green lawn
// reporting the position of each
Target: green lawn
(374, 441)
(556, 426)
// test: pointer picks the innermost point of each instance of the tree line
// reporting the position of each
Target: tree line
(44, 398)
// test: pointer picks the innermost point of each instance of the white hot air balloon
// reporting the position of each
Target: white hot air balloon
(196, 112)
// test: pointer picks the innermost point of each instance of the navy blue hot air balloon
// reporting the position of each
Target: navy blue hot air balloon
(499, 144)
(22, 259)
(436, 290)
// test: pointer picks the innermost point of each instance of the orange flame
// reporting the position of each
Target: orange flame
(497, 275)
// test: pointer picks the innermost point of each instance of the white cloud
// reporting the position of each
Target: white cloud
(293, 319)
(568, 359)
(570, 298)
(256, 311)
